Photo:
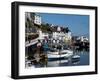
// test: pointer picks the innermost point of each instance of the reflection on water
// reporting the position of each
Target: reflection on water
(82, 59)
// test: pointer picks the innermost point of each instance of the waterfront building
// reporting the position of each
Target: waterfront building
(56, 36)
(62, 35)
(37, 19)
(43, 35)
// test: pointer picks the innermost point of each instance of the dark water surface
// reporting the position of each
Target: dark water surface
(83, 60)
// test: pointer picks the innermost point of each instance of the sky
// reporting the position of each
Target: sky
(78, 24)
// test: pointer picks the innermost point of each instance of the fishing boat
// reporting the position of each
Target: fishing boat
(59, 54)
(53, 54)
(66, 53)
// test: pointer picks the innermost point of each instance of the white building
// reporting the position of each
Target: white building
(59, 29)
(37, 19)
(42, 35)
(84, 39)
(62, 36)
(69, 36)
(58, 35)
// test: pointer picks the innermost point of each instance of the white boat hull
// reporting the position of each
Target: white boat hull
(64, 53)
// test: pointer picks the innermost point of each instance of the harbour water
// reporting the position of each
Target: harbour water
(83, 59)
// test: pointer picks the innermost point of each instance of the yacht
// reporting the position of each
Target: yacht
(60, 54)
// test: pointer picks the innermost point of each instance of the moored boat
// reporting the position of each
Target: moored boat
(60, 54)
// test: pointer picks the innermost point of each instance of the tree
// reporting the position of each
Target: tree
(67, 30)
(46, 28)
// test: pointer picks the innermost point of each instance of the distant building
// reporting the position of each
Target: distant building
(84, 39)
(52, 25)
(80, 38)
(58, 29)
(69, 35)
